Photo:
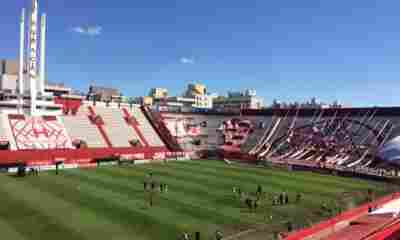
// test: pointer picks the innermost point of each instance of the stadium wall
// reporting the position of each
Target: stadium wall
(85, 157)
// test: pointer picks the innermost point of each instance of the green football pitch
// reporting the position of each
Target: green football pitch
(110, 202)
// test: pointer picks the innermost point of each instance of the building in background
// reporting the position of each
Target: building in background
(158, 93)
(247, 99)
(103, 94)
(313, 103)
(194, 97)
(199, 95)
(195, 89)
(146, 101)
(57, 89)
(8, 76)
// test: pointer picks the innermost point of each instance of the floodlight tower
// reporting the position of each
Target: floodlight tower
(42, 54)
(21, 62)
(32, 66)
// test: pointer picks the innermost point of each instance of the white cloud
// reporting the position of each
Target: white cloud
(186, 60)
(89, 30)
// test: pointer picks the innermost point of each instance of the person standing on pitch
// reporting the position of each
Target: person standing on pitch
(145, 185)
(298, 197)
(286, 198)
(218, 235)
(255, 204)
(185, 236)
(259, 190)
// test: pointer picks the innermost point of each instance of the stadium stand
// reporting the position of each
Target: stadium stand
(133, 123)
(39, 132)
(80, 127)
(156, 119)
(347, 137)
(145, 127)
(116, 128)
(99, 122)
(355, 138)
(6, 135)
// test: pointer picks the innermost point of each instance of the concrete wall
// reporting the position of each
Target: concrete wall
(8, 82)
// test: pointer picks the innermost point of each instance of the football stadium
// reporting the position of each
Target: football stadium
(101, 167)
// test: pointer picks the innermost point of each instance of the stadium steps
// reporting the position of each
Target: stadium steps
(135, 127)
(79, 127)
(5, 131)
(115, 126)
(146, 128)
(99, 125)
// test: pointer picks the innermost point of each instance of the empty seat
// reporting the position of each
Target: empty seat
(146, 128)
(80, 127)
(117, 129)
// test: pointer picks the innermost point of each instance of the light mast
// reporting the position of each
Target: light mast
(32, 66)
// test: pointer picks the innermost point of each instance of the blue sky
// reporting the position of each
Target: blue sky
(288, 49)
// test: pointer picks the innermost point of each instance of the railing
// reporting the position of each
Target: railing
(352, 213)
(155, 120)
(131, 121)
(390, 233)
(98, 121)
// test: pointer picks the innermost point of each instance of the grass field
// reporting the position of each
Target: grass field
(110, 203)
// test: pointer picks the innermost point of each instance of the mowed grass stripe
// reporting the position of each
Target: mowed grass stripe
(227, 180)
(32, 213)
(223, 200)
(257, 179)
(310, 200)
(183, 205)
(168, 210)
(111, 202)
(10, 232)
(200, 191)
(298, 175)
(220, 204)
(307, 209)
(73, 216)
(131, 213)
(30, 222)
(316, 178)
(280, 213)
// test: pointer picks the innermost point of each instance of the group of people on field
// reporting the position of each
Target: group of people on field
(186, 236)
(283, 198)
(252, 200)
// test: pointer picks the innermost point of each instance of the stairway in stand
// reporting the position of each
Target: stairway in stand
(146, 128)
(115, 126)
(79, 127)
